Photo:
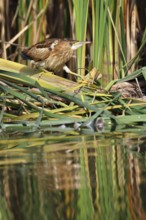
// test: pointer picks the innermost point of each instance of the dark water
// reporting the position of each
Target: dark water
(73, 177)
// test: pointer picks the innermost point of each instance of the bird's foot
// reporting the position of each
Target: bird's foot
(43, 70)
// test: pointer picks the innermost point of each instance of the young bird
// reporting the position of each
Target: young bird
(52, 54)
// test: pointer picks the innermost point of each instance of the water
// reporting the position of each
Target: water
(73, 177)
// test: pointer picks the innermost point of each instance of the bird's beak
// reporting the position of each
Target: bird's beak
(76, 45)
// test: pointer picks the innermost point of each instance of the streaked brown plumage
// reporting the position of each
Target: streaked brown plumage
(52, 54)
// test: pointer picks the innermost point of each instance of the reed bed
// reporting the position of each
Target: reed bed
(30, 101)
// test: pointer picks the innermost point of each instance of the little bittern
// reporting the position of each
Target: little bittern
(52, 54)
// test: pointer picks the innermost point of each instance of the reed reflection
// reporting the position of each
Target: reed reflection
(94, 178)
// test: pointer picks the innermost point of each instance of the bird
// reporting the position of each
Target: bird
(52, 54)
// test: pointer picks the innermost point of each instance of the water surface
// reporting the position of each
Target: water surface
(73, 177)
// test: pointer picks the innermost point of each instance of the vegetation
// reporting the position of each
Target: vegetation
(31, 98)
(80, 176)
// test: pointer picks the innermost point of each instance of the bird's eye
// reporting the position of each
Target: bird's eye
(72, 42)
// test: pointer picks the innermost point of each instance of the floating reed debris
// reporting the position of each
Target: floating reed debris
(31, 99)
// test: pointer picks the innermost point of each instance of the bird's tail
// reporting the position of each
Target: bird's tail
(24, 55)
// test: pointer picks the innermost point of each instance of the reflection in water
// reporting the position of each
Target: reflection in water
(73, 178)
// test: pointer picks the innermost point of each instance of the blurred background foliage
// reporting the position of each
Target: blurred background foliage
(116, 29)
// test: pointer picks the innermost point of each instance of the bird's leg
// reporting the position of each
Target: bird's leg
(42, 69)
(67, 70)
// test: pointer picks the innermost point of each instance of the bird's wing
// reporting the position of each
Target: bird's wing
(40, 51)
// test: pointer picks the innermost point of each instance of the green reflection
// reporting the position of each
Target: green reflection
(68, 177)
